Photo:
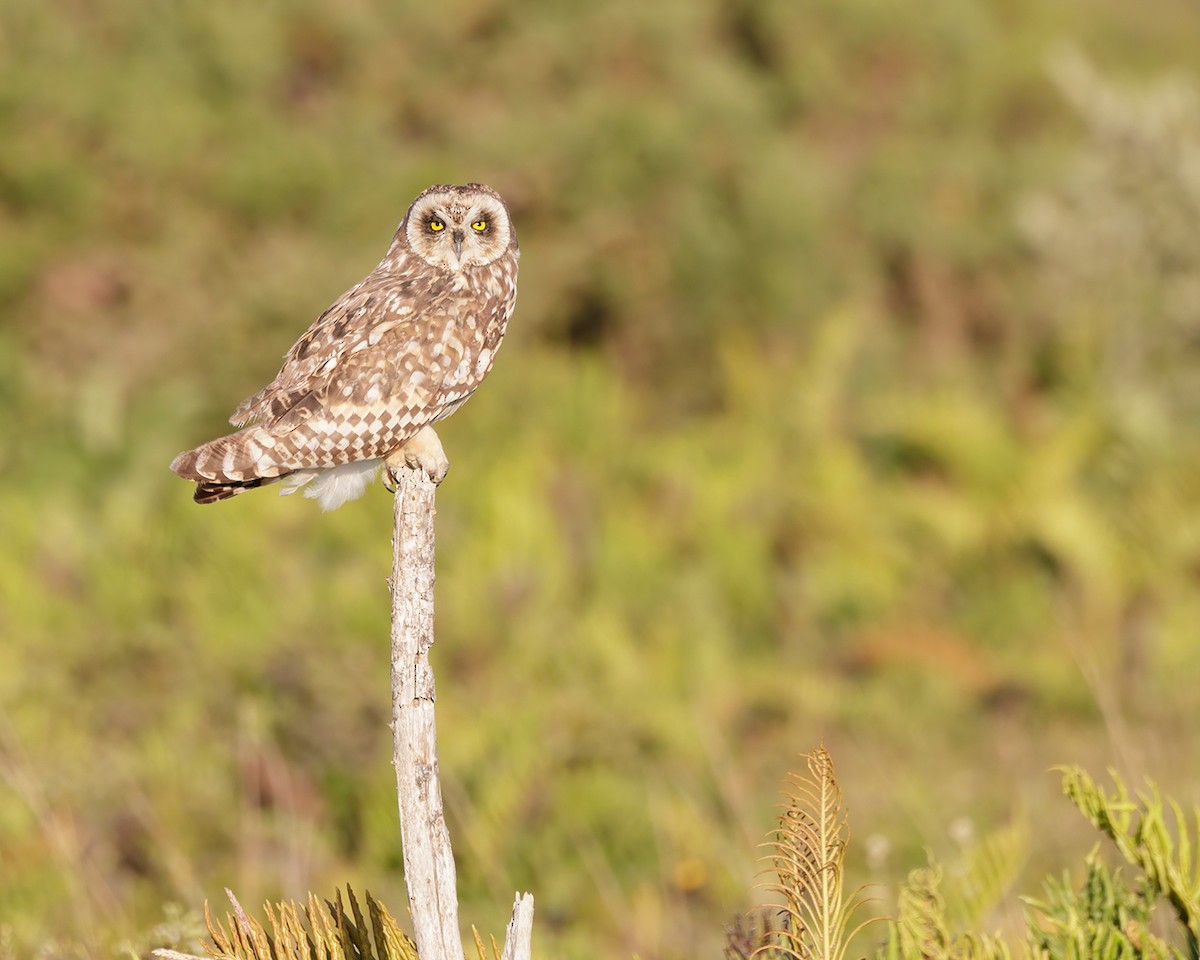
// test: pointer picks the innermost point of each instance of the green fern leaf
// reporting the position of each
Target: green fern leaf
(1104, 919)
(1139, 831)
(987, 871)
(920, 929)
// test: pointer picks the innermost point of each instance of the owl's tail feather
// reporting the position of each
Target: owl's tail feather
(227, 466)
(212, 491)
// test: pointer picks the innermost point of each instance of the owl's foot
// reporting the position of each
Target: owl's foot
(423, 452)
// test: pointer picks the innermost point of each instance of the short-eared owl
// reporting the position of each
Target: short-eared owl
(397, 352)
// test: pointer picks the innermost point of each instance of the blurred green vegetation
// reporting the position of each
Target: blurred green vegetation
(852, 393)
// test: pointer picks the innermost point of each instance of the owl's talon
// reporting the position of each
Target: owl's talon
(422, 452)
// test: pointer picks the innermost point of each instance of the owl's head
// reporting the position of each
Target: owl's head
(454, 227)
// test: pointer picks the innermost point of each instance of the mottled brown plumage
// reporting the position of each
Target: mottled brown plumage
(400, 350)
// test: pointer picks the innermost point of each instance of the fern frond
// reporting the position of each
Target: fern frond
(246, 940)
(312, 930)
(922, 931)
(390, 941)
(481, 947)
(1103, 919)
(1145, 840)
(986, 872)
(808, 851)
(746, 933)
(980, 946)
(920, 928)
(325, 930)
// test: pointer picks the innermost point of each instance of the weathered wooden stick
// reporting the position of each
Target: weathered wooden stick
(428, 858)
(518, 941)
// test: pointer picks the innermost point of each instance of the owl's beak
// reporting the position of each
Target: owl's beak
(458, 239)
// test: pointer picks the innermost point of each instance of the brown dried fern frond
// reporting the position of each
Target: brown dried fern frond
(808, 853)
(481, 948)
(313, 930)
(746, 933)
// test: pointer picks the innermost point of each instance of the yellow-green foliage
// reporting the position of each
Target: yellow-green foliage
(1104, 919)
(1139, 828)
(922, 928)
(1107, 918)
(850, 393)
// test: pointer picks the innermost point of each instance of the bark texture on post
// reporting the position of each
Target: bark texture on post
(428, 859)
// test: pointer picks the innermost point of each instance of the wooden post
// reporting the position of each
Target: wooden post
(428, 858)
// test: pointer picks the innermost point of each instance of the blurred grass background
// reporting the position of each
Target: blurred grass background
(852, 394)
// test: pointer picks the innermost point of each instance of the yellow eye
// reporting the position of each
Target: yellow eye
(435, 225)
(479, 225)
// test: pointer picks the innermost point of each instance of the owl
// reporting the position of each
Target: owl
(400, 350)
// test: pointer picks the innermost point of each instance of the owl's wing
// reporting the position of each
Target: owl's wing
(374, 399)
(357, 321)
(418, 371)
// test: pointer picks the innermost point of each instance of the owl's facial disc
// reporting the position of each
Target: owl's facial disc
(456, 228)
